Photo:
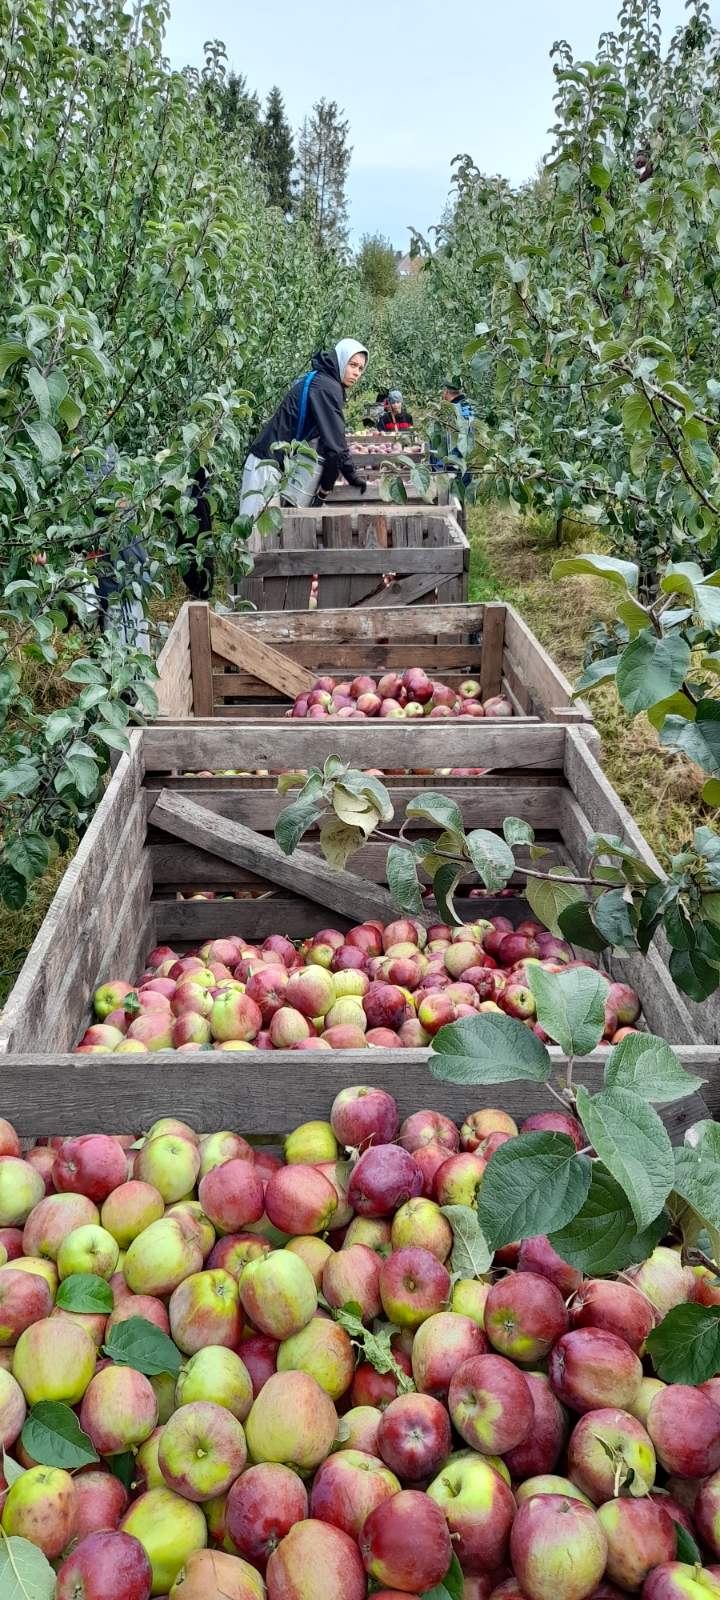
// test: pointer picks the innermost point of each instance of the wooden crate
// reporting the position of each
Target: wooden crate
(351, 553)
(157, 834)
(252, 664)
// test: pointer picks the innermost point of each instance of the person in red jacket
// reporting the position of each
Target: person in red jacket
(395, 418)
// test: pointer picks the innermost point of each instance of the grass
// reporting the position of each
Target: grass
(511, 560)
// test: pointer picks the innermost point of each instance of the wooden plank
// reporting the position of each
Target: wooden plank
(407, 590)
(492, 650)
(190, 921)
(334, 586)
(302, 872)
(537, 669)
(174, 685)
(445, 562)
(271, 666)
(481, 808)
(177, 863)
(44, 1095)
(298, 535)
(387, 744)
(458, 622)
(201, 658)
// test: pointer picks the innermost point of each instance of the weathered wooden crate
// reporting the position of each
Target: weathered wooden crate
(157, 835)
(352, 553)
(251, 664)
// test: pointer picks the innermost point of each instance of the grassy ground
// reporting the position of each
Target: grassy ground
(511, 560)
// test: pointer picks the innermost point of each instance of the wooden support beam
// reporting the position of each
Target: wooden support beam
(201, 658)
(262, 660)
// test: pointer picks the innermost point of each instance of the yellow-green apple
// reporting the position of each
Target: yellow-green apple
(414, 1285)
(40, 1267)
(299, 1199)
(459, 1179)
(414, 1436)
(12, 1409)
(421, 1222)
(549, 1483)
(640, 1407)
(524, 1316)
(479, 1125)
(217, 1575)
(676, 1580)
(350, 983)
(131, 1208)
(235, 1016)
(147, 1473)
(289, 1027)
(88, 1249)
(353, 1274)
(347, 1012)
(217, 1374)
(191, 998)
(105, 1563)
(261, 1508)
(360, 1429)
(21, 1188)
(170, 1162)
(617, 1307)
(313, 1251)
(147, 1306)
(373, 1231)
(164, 1387)
(193, 1210)
(40, 1506)
(292, 1421)
(109, 996)
(684, 1425)
(490, 1404)
(664, 1280)
(232, 1195)
(382, 1180)
(610, 1453)
(92, 1322)
(205, 1309)
(172, 1125)
(538, 1255)
(278, 1294)
(100, 1500)
(311, 1143)
(469, 1297)
(479, 1509)
(54, 1361)
(153, 1029)
(170, 1528)
(348, 1486)
(162, 1256)
(119, 1410)
(202, 1450)
(558, 1548)
(440, 1346)
(543, 1447)
(361, 1115)
(590, 1368)
(324, 1350)
(24, 1298)
(640, 1535)
(311, 991)
(313, 1561)
(405, 1541)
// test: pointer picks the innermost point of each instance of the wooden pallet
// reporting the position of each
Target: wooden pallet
(253, 664)
(352, 553)
(158, 835)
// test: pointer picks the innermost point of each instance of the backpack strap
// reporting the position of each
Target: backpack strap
(302, 411)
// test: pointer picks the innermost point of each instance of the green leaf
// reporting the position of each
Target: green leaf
(576, 924)
(515, 831)
(52, 1436)
(491, 857)
(676, 705)
(699, 740)
(84, 671)
(122, 1466)
(650, 1068)
(356, 810)
(84, 1291)
(637, 416)
(534, 1184)
(602, 1237)
(139, 1344)
(685, 1346)
(39, 387)
(570, 1006)
(711, 792)
(633, 1143)
(550, 898)
(471, 1254)
(11, 1469)
(78, 772)
(623, 574)
(693, 974)
(695, 1200)
(25, 1573)
(403, 881)
(12, 350)
(29, 854)
(297, 818)
(445, 883)
(651, 669)
(438, 809)
(598, 672)
(70, 412)
(489, 1048)
(687, 1550)
(599, 176)
(611, 915)
(367, 788)
(47, 440)
(452, 1586)
(338, 841)
(375, 1345)
(13, 887)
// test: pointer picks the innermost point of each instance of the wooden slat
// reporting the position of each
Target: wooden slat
(180, 922)
(444, 562)
(386, 744)
(70, 1094)
(334, 585)
(200, 658)
(407, 590)
(492, 650)
(271, 666)
(534, 665)
(177, 863)
(298, 535)
(302, 872)
(348, 626)
(174, 685)
(481, 808)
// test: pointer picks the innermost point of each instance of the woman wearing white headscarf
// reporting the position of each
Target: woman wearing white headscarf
(311, 412)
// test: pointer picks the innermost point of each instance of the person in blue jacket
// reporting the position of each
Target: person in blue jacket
(312, 413)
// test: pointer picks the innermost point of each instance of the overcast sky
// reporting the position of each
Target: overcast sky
(419, 83)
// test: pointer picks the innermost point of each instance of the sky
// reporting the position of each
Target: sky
(418, 84)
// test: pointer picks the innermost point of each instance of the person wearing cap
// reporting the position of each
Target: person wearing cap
(461, 432)
(311, 413)
(394, 415)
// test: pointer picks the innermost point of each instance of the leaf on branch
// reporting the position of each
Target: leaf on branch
(685, 1346)
(489, 1048)
(403, 881)
(598, 672)
(297, 818)
(515, 831)
(338, 841)
(623, 574)
(633, 1143)
(611, 915)
(46, 440)
(603, 1237)
(651, 669)
(491, 857)
(576, 924)
(698, 740)
(649, 1067)
(440, 810)
(570, 1006)
(445, 883)
(550, 898)
(536, 1183)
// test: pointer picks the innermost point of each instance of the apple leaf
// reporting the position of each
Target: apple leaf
(445, 883)
(375, 1346)
(491, 857)
(536, 1183)
(489, 1048)
(634, 1145)
(650, 1068)
(651, 669)
(687, 1549)
(339, 840)
(570, 1006)
(622, 573)
(515, 831)
(440, 810)
(576, 924)
(549, 898)
(452, 1586)
(11, 1469)
(471, 1254)
(85, 1291)
(403, 881)
(685, 1346)
(122, 1466)
(138, 1343)
(295, 820)
(25, 1573)
(602, 1237)
(53, 1437)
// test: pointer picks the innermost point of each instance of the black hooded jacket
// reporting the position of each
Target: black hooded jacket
(324, 422)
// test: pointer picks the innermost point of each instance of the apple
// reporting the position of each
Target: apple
(235, 1016)
(88, 1249)
(540, 1452)
(43, 1161)
(610, 1451)
(100, 1500)
(292, 1421)
(170, 1529)
(413, 1286)
(617, 1307)
(372, 1388)
(524, 1316)
(313, 1561)
(278, 1294)
(490, 1404)
(556, 1122)
(217, 1575)
(590, 1368)
(678, 1581)
(405, 1541)
(24, 1299)
(664, 1280)
(421, 1222)
(360, 1428)
(119, 1410)
(40, 1507)
(459, 1179)
(348, 1486)
(202, 1450)
(322, 1349)
(479, 1125)
(428, 1127)
(314, 1252)
(21, 1188)
(165, 1253)
(640, 1407)
(353, 1275)
(13, 1409)
(469, 1298)
(479, 1509)
(383, 1179)
(11, 1240)
(138, 1305)
(640, 1535)
(373, 1231)
(684, 1425)
(232, 1195)
(550, 1483)
(130, 1209)
(538, 1255)
(258, 1353)
(558, 1548)
(385, 1006)
(299, 1199)
(414, 1436)
(429, 1159)
(262, 1506)
(54, 1361)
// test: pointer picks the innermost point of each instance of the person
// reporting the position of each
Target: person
(374, 410)
(394, 416)
(452, 393)
(311, 413)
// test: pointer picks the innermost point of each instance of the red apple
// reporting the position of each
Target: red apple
(299, 1199)
(413, 1286)
(354, 1275)
(92, 1165)
(232, 1195)
(261, 1508)
(383, 1179)
(348, 1486)
(558, 1548)
(610, 1453)
(617, 1307)
(377, 1389)
(538, 1255)
(640, 1536)
(556, 1122)
(540, 1452)
(100, 1501)
(406, 1541)
(428, 1127)
(490, 1404)
(103, 1565)
(442, 1344)
(313, 1561)
(524, 1316)
(590, 1368)
(414, 1436)
(684, 1425)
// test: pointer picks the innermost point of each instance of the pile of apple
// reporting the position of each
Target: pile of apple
(388, 986)
(409, 694)
(510, 1432)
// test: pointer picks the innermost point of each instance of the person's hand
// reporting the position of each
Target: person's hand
(362, 486)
